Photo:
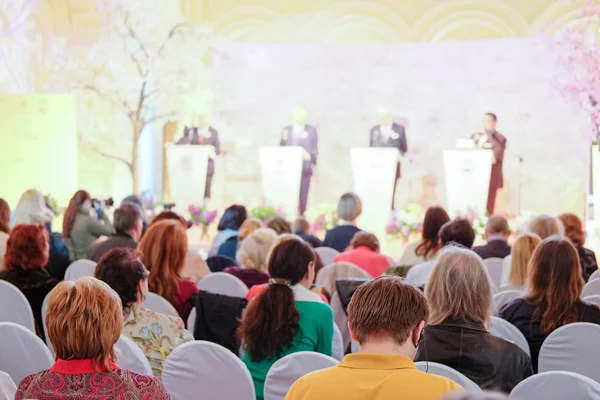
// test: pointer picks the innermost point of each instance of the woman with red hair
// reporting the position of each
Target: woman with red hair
(4, 229)
(27, 253)
(574, 231)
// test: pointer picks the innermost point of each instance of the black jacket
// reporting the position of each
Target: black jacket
(345, 289)
(339, 237)
(217, 318)
(489, 361)
(493, 249)
(376, 139)
(310, 239)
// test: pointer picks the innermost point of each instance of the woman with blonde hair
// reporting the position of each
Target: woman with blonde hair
(574, 231)
(522, 250)
(84, 320)
(545, 226)
(553, 295)
(460, 298)
(348, 210)
(252, 257)
(164, 248)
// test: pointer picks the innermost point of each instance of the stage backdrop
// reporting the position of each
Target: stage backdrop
(439, 91)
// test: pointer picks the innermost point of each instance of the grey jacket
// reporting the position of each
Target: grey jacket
(84, 233)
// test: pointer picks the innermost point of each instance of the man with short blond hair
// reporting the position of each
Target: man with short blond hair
(386, 317)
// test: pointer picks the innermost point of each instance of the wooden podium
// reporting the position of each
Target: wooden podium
(467, 178)
(187, 165)
(281, 171)
(374, 172)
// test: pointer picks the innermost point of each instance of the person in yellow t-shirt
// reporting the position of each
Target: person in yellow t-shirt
(386, 316)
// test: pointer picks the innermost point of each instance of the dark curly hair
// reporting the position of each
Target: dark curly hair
(122, 270)
(272, 320)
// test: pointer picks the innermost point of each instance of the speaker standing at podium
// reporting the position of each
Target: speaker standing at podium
(490, 138)
(389, 134)
(303, 135)
(203, 137)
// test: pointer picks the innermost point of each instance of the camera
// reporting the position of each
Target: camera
(108, 203)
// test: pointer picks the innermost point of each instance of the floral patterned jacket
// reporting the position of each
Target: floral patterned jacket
(156, 334)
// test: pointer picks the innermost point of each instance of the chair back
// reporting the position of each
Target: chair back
(595, 300)
(80, 268)
(494, 267)
(594, 275)
(287, 370)
(327, 254)
(44, 309)
(160, 305)
(450, 373)
(340, 318)
(131, 357)
(556, 385)
(330, 273)
(223, 283)
(573, 348)
(591, 288)
(14, 306)
(507, 331)
(506, 263)
(504, 297)
(337, 344)
(7, 387)
(207, 369)
(22, 353)
(219, 263)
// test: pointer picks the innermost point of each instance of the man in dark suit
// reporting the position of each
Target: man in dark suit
(303, 135)
(496, 235)
(490, 138)
(389, 134)
(205, 135)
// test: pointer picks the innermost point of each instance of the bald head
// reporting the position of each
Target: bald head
(497, 226)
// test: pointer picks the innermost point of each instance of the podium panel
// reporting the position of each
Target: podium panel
(467, 178)
(374, 172)
(187, 166)
(281, 171)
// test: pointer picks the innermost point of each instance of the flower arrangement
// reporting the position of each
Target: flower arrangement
(201, 215)
(266, 213)
(323, 217)
(405, 223)
(151, 207)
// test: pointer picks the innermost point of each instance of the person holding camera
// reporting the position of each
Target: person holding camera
(80, 228)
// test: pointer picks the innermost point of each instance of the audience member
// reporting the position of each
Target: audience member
(4, 229)
(280, 225)
(522, 250)
(460, 300)
(496, 236)
(364, 253)
(84, 321)
(457, 232)
(553, 297)
(32, 209)
(574, 231)
(229, 226)
(128, 228)
(164, 248)
(252, 257)
(545, 226)
(156, 334)
(137, 201)
(195, 268)
(427, 248)
(27, 253)
(231, 245)
(286, 317)
(301, 228)
(348, 210)
(389, 336)
(80, 229)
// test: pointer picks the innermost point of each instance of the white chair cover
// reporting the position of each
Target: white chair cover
(44, 308)
(494, 267)
(595, 300)
(340, 318)
(592, 288)
(327, 254)
(14, 306)
(223, 283)
(505, 270)
(506, 296)
(22, 353)
(573, 348)
(203, 369)
(131, 357)
(332, 272)
(507, 331)
(7, 387)
(80, 268)
(160, 305)
(287, 370)
(450, 373)
(556, 385)
(337, 345)
(191, 322)
(594, 275)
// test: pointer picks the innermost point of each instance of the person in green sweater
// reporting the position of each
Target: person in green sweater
(80, 230)
(286, 317)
